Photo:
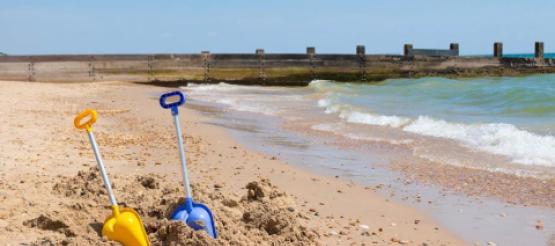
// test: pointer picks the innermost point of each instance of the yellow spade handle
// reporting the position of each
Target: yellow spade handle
(91, 113)
(88, 124)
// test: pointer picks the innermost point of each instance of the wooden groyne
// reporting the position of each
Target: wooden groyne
(269, 69)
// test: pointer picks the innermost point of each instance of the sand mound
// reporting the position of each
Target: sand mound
(148, 182)
(45, 223)
(55, 241)
(165, 232)
(86, 184)
(268, 210)
(262, 216)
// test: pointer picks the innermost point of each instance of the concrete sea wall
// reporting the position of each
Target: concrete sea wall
(268, 69)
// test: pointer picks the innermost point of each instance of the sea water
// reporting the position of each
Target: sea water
(509, 118)
(513, 117)
(529, 55)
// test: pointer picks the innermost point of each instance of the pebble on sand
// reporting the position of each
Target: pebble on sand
(539, 225)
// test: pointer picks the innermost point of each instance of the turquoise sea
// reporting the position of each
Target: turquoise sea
(531, 55)
(509, 117)
(516, 55)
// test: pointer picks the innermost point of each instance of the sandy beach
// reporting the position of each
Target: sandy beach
(51, 192)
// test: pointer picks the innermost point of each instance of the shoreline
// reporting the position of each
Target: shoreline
(473, 181)
(420, 153)
(482, 200)
(129, 129)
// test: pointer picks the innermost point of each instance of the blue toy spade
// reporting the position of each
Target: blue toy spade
(196, 215)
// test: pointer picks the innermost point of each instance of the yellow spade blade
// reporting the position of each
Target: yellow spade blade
(126, 227)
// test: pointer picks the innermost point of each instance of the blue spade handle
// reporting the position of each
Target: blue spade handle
(173, 106)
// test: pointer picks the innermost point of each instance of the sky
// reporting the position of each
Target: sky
(278, 26)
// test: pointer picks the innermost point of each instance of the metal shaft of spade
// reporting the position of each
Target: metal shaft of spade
(182, 157)
(100, 163)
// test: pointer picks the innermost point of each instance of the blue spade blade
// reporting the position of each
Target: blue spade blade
(196, 215)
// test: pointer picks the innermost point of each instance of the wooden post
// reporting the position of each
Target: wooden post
(455, 48)
(361, 53)
(311, 52)
(92, 69)
(538, 50)
(261, 74)
(31, 71)
(498, 49)
(206, 64)
(149, 60)
(407, 49)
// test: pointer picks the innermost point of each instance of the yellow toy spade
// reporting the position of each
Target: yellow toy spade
(124, 225)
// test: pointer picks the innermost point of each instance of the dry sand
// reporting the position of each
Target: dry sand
(51, 193)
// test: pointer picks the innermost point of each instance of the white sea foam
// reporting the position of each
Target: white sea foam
(372, 119)
(336, 128)
(319, 82)
(210, 87)
(353, 116)
(324, 103)
(237, 97)
(503, 139)
(330, 107)
(245, 106)
(375, 139)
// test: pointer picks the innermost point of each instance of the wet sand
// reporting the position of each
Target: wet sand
(50, 194)
(498, 179)
(525, 191)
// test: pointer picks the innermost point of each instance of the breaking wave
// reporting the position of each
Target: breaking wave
(521, 146)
